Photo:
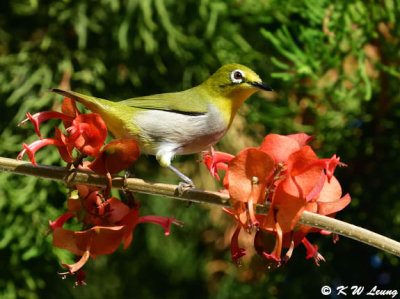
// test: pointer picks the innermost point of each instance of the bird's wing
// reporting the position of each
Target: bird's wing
(178, 102)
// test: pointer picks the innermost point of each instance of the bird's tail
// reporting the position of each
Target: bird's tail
(115, 115)
(91, 103)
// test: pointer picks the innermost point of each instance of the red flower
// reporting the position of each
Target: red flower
(304, 182)
(275, 255)
(59, 222)
(280, 147)
(89, 243)
(312, 251)
(40, 117)
(248, 180)
(329, 200)
(88, 133)
(267, 242)
(132, 219)
(289, 198)
(285, 172)
(216, 160)
(116, 156)
(113, 223)
(32, 148)
(164, 222)
(236, 251)
(66, 149)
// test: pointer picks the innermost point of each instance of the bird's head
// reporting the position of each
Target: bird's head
(236, 82)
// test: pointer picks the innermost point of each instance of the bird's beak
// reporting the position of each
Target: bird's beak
(261, 86)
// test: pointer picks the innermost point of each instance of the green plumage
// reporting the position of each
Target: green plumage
(182, 122)
(184, 101)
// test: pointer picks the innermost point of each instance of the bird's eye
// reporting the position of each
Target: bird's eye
(237, 76)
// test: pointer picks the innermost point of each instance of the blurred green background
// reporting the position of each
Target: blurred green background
(335, 68)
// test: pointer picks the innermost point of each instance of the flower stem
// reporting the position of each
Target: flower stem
(193, 195)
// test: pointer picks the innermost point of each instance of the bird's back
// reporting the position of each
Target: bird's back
(179, 122)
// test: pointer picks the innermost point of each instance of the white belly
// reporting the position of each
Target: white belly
(174, 133)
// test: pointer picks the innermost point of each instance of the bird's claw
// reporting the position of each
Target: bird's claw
(129, 173)
(183, 186)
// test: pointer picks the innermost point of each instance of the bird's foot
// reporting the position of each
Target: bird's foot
(129, 173)
(183, 186)
(186, 184)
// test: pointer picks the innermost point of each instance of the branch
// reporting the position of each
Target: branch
(193, 195)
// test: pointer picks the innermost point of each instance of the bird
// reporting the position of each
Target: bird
(178, 123)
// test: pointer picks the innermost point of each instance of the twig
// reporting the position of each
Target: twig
(194, 195)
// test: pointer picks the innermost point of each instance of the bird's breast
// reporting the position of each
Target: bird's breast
(183, 133)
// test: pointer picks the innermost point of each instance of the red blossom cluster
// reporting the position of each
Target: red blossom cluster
(285, 174)
(106, 221)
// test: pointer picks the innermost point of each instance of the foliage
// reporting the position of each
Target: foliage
(334, 65)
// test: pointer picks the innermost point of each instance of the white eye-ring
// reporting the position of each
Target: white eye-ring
(237, 76)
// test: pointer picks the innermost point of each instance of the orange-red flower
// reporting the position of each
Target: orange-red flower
(285, 173)
(86, 132)
(116, 156)
(113, 223)
(280, 147)
(248, 180)
(215, 161)
(236, 251)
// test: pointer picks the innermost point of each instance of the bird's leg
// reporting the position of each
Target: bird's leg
(186, 181)
(182, 176)
(164, 157)
(129, 173)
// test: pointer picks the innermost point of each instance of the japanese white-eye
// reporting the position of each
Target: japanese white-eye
(178, 123)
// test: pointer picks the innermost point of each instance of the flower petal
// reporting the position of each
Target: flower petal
(40, 117)
(289, 203)
(276, 253)
(248, 174)
(32, 148)
(98, 240)
(79, 264)
(118, 210)
(236, 251)
(59, 222)
(279, 147)
(302, 138)
(312, 252)
(164, 222)
(317, 188)
(66, 148)
(239, 213)
(68, 107)
(130, 221)
(116, 156)
(88, 133)
(327, 208)
(329, 200)
(216, 160)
